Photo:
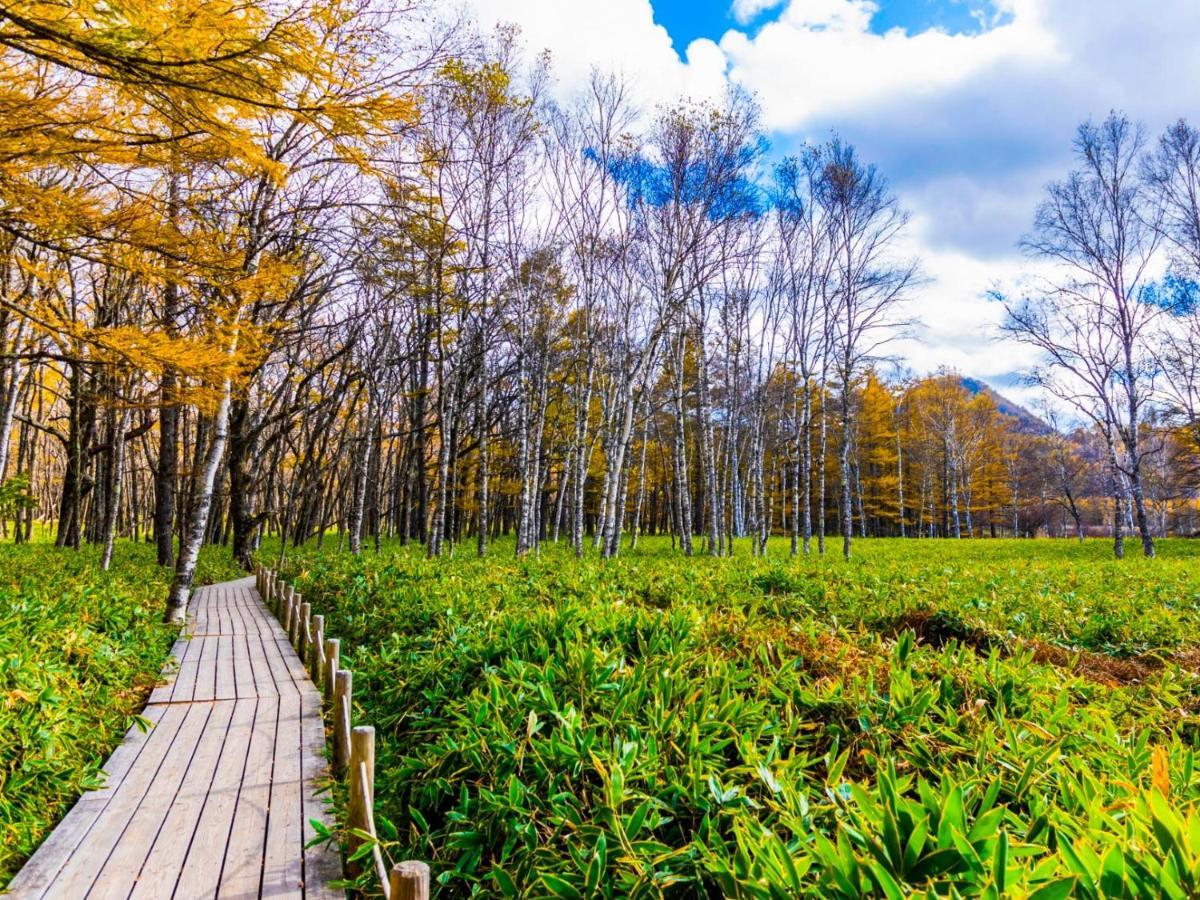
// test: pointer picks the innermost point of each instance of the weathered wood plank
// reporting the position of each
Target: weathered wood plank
(242, 871)
(321, 864)
(201, 870)
(125, 862)
(283, 867)
(76, 877)
(170, 848)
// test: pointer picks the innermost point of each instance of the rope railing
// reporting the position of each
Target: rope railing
(353, 745)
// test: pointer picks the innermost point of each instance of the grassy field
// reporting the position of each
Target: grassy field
(79, 651)
(957, 719)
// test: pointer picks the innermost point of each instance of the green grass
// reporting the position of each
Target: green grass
(951, 718)
(80, 650)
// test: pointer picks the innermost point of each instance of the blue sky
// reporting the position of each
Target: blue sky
(967, 106)
(687, 20)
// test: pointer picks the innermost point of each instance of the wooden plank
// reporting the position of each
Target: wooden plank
(283, 865)
(184, 687)
(322, 864)
(262, 650)
(201, 870)
(119, 874)
(242, 871)
(224, 663)
(76, 877)
(245, 681)
(206, 669)
(162, 692)
(164, 862)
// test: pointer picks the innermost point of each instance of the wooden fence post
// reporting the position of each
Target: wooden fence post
(333, 649)
(293, 612)
(316, 650)
(409, 880)
(342, 686)
(294, 622)
(285, 618)
(361, 789)
(302, 631)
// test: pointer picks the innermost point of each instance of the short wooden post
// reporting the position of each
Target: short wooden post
(316, 650)
(342, 687)
(333, 648)
(409, 880)
(361, 789)
(294, 621)
(290, 604)
(303, 632)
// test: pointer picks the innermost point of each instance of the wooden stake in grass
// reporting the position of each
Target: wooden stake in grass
(361, 790)
(316, 652)
(409, 880)
(333, 649)
(342, 686)
(303, 634)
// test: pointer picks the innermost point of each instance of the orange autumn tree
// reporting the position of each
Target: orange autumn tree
(122, 125)
(878, 454)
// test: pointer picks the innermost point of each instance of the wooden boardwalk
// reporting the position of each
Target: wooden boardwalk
(215, 799)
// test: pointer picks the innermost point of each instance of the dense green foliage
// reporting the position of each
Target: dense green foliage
(965, 718)
(80, 650)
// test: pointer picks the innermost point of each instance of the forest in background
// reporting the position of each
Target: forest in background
(277, 269)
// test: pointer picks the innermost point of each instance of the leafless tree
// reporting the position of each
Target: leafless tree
(1091, 321)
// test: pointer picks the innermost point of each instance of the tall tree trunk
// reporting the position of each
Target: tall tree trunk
(112, 491)
(10, 393)
(900, 478)
(822, 448)
(682, 487)
(481, 541)
(362, 468)
(166, 475)
(199, 507)
(707, 462)
(844, 472)
(583, 456)
(1118, 494)
(243, 520)
(636, 527)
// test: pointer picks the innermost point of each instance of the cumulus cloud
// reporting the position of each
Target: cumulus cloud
(620, 36)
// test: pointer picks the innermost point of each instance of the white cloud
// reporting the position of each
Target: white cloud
(619, 36)
(745, 11)
(820, 59)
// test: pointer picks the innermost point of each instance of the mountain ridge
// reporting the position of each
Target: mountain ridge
(1028, 421)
